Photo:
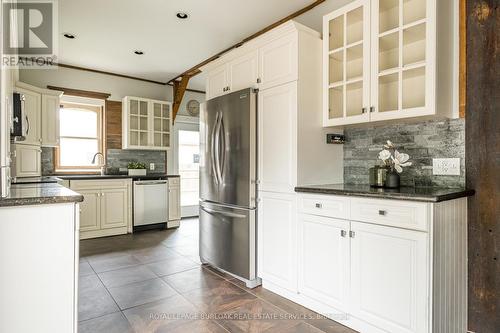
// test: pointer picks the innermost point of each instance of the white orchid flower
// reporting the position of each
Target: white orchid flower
(400, 160)
(384, 155)
(389, 145)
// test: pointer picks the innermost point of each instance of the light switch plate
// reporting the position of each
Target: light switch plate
(446, 166)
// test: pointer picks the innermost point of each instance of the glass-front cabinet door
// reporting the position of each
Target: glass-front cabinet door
(161, 124)
(401, 66)
(138, 121)
(146, 123)
(347, 78)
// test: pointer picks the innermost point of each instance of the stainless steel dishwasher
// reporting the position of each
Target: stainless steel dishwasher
(150, 203)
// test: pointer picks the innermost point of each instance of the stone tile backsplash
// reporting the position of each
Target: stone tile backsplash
(47, 161)
(423, 141)
(119, 158)
(115, 159)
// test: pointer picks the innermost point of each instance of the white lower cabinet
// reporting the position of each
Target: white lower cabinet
(39, 268)
(89, 210)
(277, 234)
(114, 210)
(389, 277)
(373, 276)
(174, 202)
(324, 259)
(107, 207)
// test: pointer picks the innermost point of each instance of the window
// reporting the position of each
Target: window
(80, 132)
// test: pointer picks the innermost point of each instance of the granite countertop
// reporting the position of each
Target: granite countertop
(119, 176)
(39, 194)
(425, 194)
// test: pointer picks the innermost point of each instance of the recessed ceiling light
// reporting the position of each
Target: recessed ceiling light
(182, 15)
(70, 36)
(138, 52)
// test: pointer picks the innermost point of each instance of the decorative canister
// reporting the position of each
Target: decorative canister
(392, 180)
(378, 176)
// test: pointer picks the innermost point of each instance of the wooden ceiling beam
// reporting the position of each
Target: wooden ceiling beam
(179, 90)
(195, 70)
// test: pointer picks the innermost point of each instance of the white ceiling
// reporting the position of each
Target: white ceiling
(108, 31)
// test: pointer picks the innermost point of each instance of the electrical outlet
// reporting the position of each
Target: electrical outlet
(151, 166)
(446, 166)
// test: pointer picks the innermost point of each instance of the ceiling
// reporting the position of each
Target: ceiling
(108, 31)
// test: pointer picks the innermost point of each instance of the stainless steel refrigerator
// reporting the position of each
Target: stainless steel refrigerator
(228, 171)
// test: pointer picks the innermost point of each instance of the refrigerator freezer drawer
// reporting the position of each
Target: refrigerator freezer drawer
(228, 239)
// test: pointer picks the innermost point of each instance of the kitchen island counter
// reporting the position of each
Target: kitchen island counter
(39, 194)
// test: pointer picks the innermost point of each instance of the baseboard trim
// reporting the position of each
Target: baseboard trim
(334, 314)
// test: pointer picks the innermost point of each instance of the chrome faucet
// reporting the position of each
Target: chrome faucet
(103, 165)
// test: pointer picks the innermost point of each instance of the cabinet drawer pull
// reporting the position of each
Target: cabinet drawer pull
(318, 205)
(382, 212)
(343, 233)
(352, 234)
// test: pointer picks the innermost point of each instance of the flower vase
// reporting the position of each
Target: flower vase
(392, 179)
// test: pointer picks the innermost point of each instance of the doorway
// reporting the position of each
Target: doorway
(183, 160)
(189, 170)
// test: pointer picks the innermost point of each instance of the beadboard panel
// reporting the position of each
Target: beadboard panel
(450, 267)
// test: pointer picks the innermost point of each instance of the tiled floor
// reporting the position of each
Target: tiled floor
(153, 282)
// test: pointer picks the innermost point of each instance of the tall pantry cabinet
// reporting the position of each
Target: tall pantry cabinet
(292, 145)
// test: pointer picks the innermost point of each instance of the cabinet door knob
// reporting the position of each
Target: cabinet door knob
(382, 212)
(352, 234)
(259, 80)
(372, 109)
(318, 205)
(343, 233)
(363, 110)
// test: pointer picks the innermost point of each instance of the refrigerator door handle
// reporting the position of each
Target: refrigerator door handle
(218, 147)
(222, 153)
(212, 150)
(228, 214)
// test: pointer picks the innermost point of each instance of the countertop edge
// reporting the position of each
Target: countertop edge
(393, 196)
(18, 202)
(93, 177)
(40, 194)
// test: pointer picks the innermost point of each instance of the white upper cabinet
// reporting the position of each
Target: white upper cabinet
(380, 61)
(238, 74)
(268, 61)
(41, 115)
(347, 79)
(244, 71)
(217, 82)
(32, 119)
(277, 123)
(146, 123)
(50, 120)
(278, 62)
(404, 59)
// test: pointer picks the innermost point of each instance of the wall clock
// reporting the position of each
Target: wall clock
(193, 108)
